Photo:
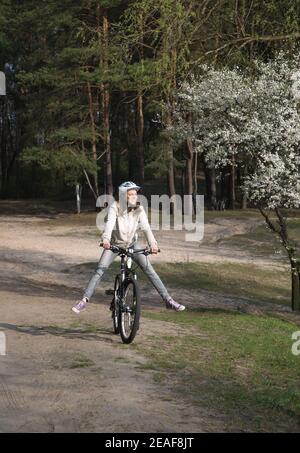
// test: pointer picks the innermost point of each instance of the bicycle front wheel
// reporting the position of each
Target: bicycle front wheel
(130, 311)
(115, 306)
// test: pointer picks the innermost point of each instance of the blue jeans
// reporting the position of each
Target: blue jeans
(143, 261)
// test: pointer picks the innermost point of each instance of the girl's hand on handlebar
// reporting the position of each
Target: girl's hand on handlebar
(154, 249)
(106, 244)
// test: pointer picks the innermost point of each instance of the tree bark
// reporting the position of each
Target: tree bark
(196, 173)
(232, 196)
(189, 174)
(213, 188)
(131, 140)
(210, 184)
(3, 144)
(94, 138)
(281, 230)
(170, 157)
(244, 196)
(140, 138)
(105, 95)
(296, 286)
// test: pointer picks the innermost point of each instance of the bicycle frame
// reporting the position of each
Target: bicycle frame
(125, 272)
(125, 269)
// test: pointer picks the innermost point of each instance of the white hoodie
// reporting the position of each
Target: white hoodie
(121, 227)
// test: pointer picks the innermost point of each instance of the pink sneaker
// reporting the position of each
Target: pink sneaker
(172, 305)
(80, 306)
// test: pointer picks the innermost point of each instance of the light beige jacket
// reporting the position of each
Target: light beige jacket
(121, 227)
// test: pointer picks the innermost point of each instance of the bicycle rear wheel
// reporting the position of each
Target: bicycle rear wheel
(129, 319)
(115, 306)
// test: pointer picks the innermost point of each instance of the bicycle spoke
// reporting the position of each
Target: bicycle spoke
(129, 311)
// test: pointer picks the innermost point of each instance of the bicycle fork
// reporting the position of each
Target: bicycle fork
(125, 273)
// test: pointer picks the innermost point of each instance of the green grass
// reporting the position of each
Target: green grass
(294, 229)
(260, 241)
(232, 214)
(84, 219)
(72, 361)
(80, 361)
(238, 364)
(250, 281)
(246, 213)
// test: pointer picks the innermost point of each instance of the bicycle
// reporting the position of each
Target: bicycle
(126, 302)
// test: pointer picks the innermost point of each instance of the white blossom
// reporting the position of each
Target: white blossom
(256, 120)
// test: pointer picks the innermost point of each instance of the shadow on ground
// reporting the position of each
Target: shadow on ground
(82, 332)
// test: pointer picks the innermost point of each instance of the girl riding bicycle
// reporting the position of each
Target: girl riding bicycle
(120, 229)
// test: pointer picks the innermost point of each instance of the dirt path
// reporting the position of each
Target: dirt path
(63, 375)
(41, 388)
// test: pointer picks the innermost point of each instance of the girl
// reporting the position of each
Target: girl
(120, 229)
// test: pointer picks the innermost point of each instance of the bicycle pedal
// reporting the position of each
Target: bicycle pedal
(109, 292)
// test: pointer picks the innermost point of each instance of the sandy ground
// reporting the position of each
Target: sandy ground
(42, 272)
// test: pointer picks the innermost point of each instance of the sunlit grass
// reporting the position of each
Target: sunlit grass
(239, 364)
(228, 278)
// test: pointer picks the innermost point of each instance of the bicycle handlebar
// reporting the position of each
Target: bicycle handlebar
(118, 249)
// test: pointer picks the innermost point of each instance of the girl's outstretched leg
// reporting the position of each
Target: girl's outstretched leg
(147, 268)
(105, 261)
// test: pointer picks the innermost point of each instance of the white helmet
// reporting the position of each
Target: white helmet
(127, 185)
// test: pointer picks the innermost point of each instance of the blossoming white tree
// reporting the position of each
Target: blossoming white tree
(253, 120)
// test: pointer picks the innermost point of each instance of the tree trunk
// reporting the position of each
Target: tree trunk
(131, 140)
(189, 175)
(140, 138)
(94, 139)
(105, 94)
(170, 158)
(78, 197)
(213, 188)
(281, 230)
(3, 143)
(196, 173)
(117, 166)
(106, 104)
(244, 196)
(295, 287)
(232, 197)
(209, 185)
